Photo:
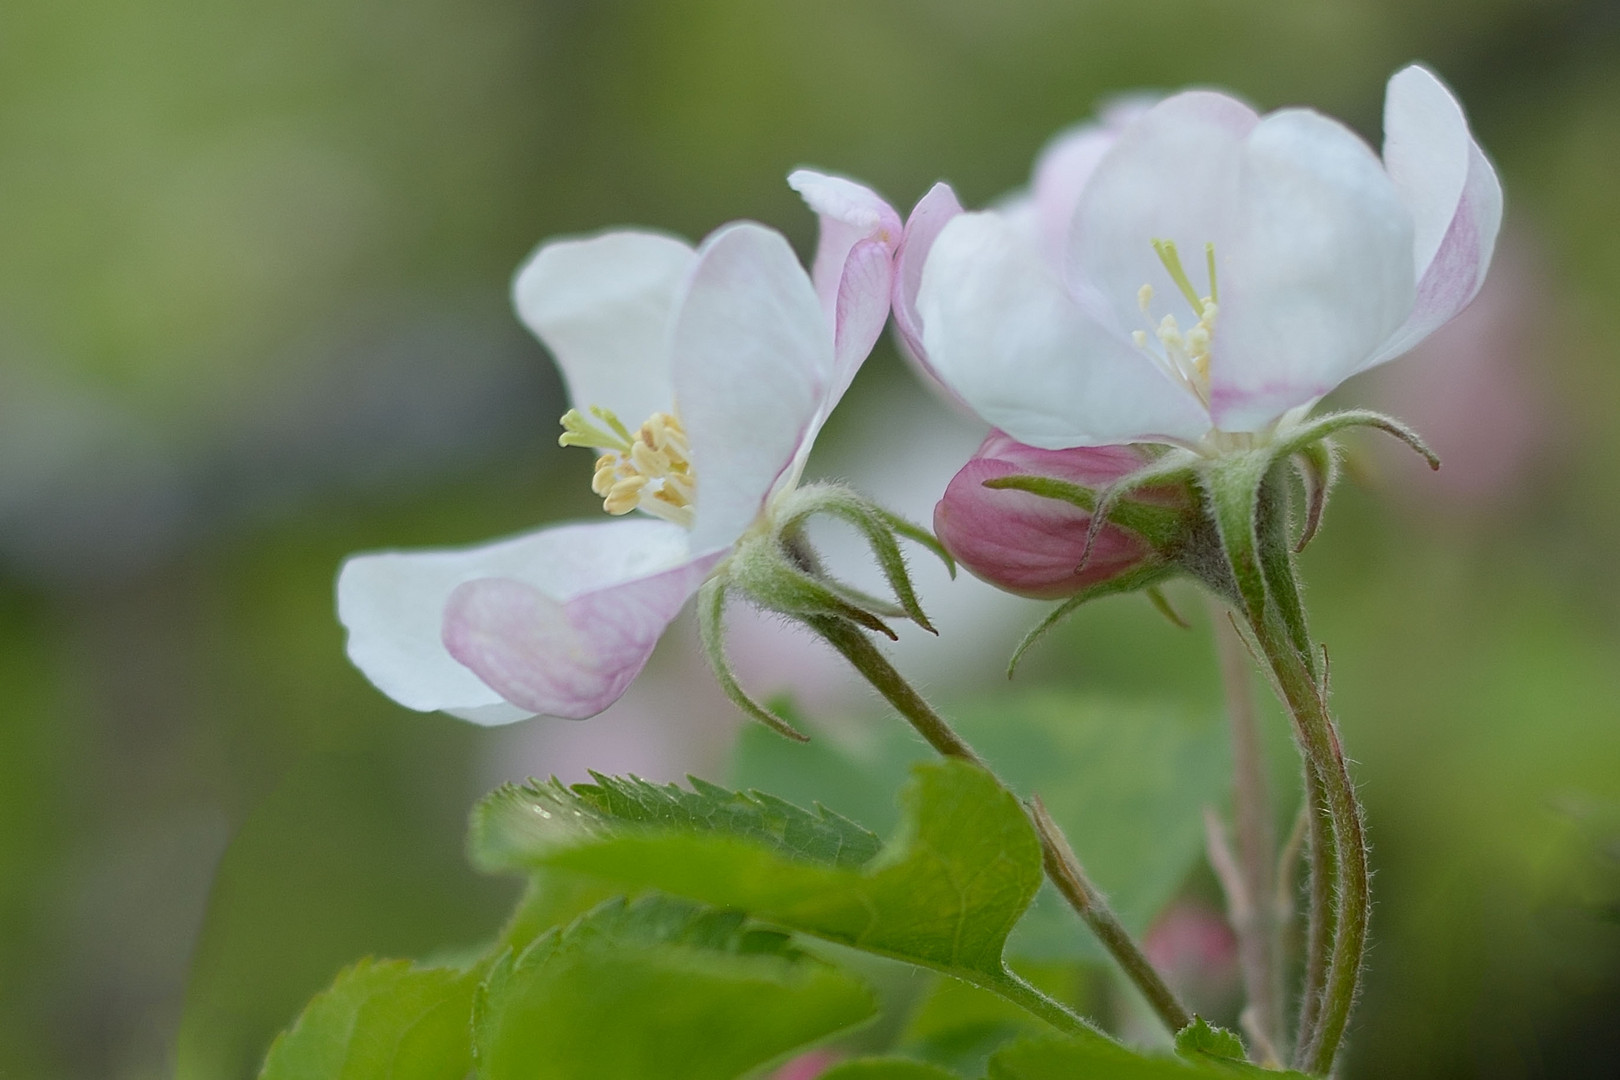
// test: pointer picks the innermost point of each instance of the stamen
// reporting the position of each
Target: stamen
(649, 470)
(1186, 355)
(1168, 255)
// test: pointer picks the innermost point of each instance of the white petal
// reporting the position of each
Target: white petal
(848, 213)
(568, 659)
(393, 603)
(1172, 175)
(1316, 274)
(863, 309)
(602, 306)
(1064, 167)
(927, 218)
(1002, 332)
(1426, 152)
(752, 364)
(1451, 278)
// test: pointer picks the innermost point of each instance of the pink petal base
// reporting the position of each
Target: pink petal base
(569, 659)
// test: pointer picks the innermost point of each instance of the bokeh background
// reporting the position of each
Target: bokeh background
(253, 317)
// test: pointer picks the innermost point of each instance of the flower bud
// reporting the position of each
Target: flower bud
(1033, 545)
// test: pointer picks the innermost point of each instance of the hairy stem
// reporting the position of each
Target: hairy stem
(1320, 913)
(1349, 893)
(1061, 863)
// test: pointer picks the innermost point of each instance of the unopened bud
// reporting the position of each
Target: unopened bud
(1033, 545)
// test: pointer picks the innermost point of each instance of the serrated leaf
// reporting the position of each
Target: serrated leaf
(518, 827)
(659, 987)
(1050, 1059)
(381, 1019)
(1201, 1038)
(944, 893)
(1127, 782)
(887, 1069)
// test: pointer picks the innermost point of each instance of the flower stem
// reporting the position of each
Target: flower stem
(1320, 914)
(1328, 774)
(1251, 903)
(1061, 864)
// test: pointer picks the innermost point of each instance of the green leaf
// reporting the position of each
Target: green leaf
(1053, 1060)
(659, 987)
(958, 1026)
(1201, 1038)
(381, 1019)
(521, 827)
(944, 893)
(1127, 782)
(887, 1069)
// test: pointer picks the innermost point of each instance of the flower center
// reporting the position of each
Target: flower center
(650, 470)
(1184, 354)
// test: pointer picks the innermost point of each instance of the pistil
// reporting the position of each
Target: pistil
(1184, 354)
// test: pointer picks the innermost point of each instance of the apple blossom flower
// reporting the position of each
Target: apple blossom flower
(1309, 260)
(701, 378)
(1034, 545)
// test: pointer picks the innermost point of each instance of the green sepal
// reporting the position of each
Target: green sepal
(1142, 577)
(1276, 553)
(877, 526)
(1161, 526)
(1323, 426)
(711, 612)
(1232, 485)
(1174, 467)
(1318, 465)
(1161, 604)
(765, 570)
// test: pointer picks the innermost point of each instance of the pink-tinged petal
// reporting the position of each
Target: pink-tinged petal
(752, 360)
(1172, 175)
(1457, 271)
(602, 306)
(392, 603)
(1317, 272)
(567, 658)
(849, 213)
(1426, 152)
(931, 214)
(863, 309)
(1026, 544)
(1064, 167)
(1002, 332)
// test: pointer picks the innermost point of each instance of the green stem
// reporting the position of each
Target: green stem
(1319, 739)
(1061, 864)
(1320, 915)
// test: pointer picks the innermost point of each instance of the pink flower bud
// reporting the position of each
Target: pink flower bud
(1029, 544)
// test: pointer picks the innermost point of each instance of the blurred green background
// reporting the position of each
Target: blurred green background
(253, 317)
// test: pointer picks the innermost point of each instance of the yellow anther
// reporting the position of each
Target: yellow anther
(1144, 298)
(649, 470)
